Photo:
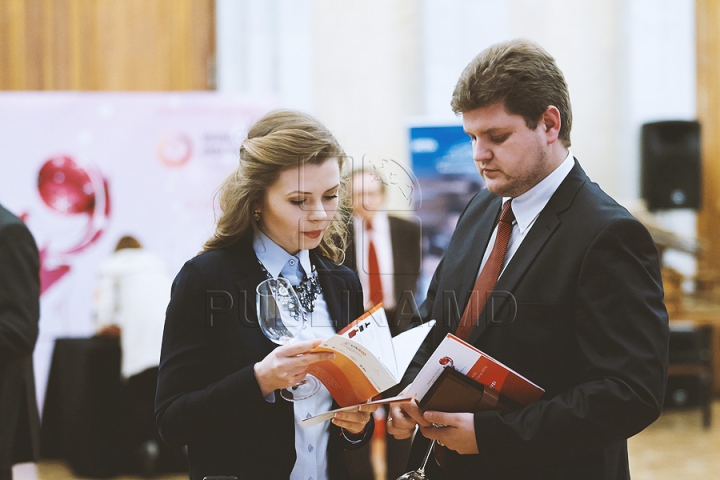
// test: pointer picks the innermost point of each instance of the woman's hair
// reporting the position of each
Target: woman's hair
(523, 76)
(127, 242)
(280, 140)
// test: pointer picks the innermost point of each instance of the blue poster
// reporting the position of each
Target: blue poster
(441, 157)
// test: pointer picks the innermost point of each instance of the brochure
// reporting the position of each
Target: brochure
(476, 365)
(368, 360)
(324, 417)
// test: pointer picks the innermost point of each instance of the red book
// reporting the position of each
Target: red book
(498, 386)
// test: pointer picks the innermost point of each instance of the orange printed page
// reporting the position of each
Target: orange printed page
(366, 359)
(488, 373)
(345, 381)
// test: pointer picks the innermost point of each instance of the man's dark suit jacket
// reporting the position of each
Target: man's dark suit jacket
(19, 316)
(208, 397)
(589, 326)
(405, 238)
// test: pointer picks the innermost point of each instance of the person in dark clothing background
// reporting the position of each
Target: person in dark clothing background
(19, 317)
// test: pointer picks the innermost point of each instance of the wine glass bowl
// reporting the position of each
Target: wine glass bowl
(282, 318)
(278, 310)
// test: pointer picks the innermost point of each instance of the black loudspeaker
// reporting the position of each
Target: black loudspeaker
(690, 373)
(691, 344)
(683, 391)
(671, 164)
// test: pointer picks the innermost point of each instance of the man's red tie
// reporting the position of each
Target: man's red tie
(376, 291)
(489, 275)
(483, 286)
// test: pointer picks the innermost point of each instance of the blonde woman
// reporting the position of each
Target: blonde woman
(218, 373)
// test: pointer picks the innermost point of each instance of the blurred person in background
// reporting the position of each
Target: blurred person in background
(385, 251)
(19, 317)
(219, 374)
(131, 296)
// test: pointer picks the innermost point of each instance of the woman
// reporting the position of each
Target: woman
(218, 373)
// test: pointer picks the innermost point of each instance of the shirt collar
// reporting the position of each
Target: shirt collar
(528, 206)
(274, 257)
(380, 219)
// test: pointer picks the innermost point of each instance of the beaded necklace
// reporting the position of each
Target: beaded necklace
(307, 291)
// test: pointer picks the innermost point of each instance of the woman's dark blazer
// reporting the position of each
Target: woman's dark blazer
(208, 397)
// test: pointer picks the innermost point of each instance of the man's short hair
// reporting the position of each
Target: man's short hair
(523, 76)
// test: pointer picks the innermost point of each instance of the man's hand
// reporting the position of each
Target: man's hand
(403, 418)
(458, 433)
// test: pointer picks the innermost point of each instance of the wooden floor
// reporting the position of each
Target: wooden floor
(674, 447)
(56, 470)
(677, 447)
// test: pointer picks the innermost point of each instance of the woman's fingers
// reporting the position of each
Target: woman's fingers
(299, 354)
(354, 422)
(287, 365)
(292, 349)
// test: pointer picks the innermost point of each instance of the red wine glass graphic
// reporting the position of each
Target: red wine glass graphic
(446, 362)
(68, 188)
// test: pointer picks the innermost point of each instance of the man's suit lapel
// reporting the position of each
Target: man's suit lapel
(478, 238)
(543, 228)
(473, 243)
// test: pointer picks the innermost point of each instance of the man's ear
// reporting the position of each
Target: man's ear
(551, 123)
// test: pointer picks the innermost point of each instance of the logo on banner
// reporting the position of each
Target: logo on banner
(175, 150)
(70, 189)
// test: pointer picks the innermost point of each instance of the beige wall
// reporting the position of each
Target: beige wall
(367, 72)
(584, 38)
(378, 64)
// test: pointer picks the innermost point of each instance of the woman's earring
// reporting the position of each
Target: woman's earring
(257, 216)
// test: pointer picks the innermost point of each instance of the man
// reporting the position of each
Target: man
(19, 316)
(385, 252)
(578, 305)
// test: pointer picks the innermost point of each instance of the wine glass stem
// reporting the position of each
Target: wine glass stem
(427, 457)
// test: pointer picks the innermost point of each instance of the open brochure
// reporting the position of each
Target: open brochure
(324, 417)
(368, 360)
(476, 365)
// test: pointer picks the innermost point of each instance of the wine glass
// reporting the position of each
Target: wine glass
(419, 474)
(281, 318)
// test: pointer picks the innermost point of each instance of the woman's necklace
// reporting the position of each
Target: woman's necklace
(307, 291)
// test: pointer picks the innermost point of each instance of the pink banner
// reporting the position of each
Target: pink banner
(84, 169)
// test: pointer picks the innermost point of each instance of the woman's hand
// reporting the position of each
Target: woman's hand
(287, 365)
(354, 422)
(403, 417)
